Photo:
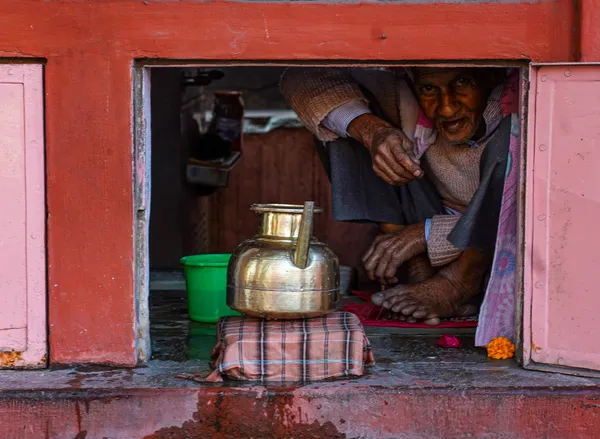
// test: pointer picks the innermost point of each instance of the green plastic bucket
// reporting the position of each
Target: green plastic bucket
(206, 286)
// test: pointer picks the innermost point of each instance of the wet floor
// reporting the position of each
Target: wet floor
(405, 359)
(176, 338)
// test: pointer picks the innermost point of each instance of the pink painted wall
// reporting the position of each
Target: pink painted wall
(22, 222)
(562, 216)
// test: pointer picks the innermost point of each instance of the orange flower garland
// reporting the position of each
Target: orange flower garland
(500, 348)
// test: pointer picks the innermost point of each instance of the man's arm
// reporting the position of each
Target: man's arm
(317, 94)
(314, 92)
(340, 118)
(440, 250)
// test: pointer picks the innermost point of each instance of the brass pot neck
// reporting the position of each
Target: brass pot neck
(280, 221)
(280, 225)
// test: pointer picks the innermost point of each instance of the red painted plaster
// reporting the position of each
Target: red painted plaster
(590, 36)
(90, 47)
(223, 413)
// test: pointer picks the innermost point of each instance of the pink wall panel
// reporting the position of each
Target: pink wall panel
(22, 222)
(563, 218)
(13, 265)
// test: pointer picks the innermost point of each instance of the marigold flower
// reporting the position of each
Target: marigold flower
(500, 348)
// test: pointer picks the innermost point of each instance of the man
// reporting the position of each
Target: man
(425, 158)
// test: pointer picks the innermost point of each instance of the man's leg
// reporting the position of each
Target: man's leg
(360, 195)
(357, 194)
(447, 294)
(389, 228)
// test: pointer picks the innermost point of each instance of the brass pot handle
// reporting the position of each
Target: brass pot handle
(304, 236)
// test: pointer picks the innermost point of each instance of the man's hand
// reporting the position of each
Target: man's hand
(389, 251)
(392, 152)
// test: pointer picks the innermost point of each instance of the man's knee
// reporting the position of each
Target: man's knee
(389, 227)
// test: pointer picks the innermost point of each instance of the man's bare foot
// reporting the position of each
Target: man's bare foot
(447, 294)
(419, 269)
(429, 301)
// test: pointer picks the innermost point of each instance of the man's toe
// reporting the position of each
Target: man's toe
(420, 313)
(393, 301)
(377, 298)
(395, 292)
(402, 303)
(432, 321)
(409, 309)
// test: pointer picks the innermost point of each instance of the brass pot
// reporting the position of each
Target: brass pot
(283, 272)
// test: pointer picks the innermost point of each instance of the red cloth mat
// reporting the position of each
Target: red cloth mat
(373, 315)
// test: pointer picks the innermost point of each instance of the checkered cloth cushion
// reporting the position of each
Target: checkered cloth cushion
(292, 350)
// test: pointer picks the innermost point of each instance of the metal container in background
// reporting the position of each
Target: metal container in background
(211, 174)
(348, 279)
(283, 272)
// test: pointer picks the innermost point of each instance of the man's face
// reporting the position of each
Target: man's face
(453, 99)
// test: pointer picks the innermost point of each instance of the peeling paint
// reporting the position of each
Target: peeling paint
(535, 348)
(590, 402)
(8, 359)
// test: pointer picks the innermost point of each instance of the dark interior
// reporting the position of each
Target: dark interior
(279, 164)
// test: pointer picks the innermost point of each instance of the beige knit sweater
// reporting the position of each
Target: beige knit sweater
(454, 170)
(314, 92)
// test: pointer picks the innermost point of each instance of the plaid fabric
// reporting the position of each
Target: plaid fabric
(293, 350)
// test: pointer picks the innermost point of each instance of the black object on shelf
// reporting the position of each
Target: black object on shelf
(211, 174)
(201, 78)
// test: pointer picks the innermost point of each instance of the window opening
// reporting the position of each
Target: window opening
(202, 188)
